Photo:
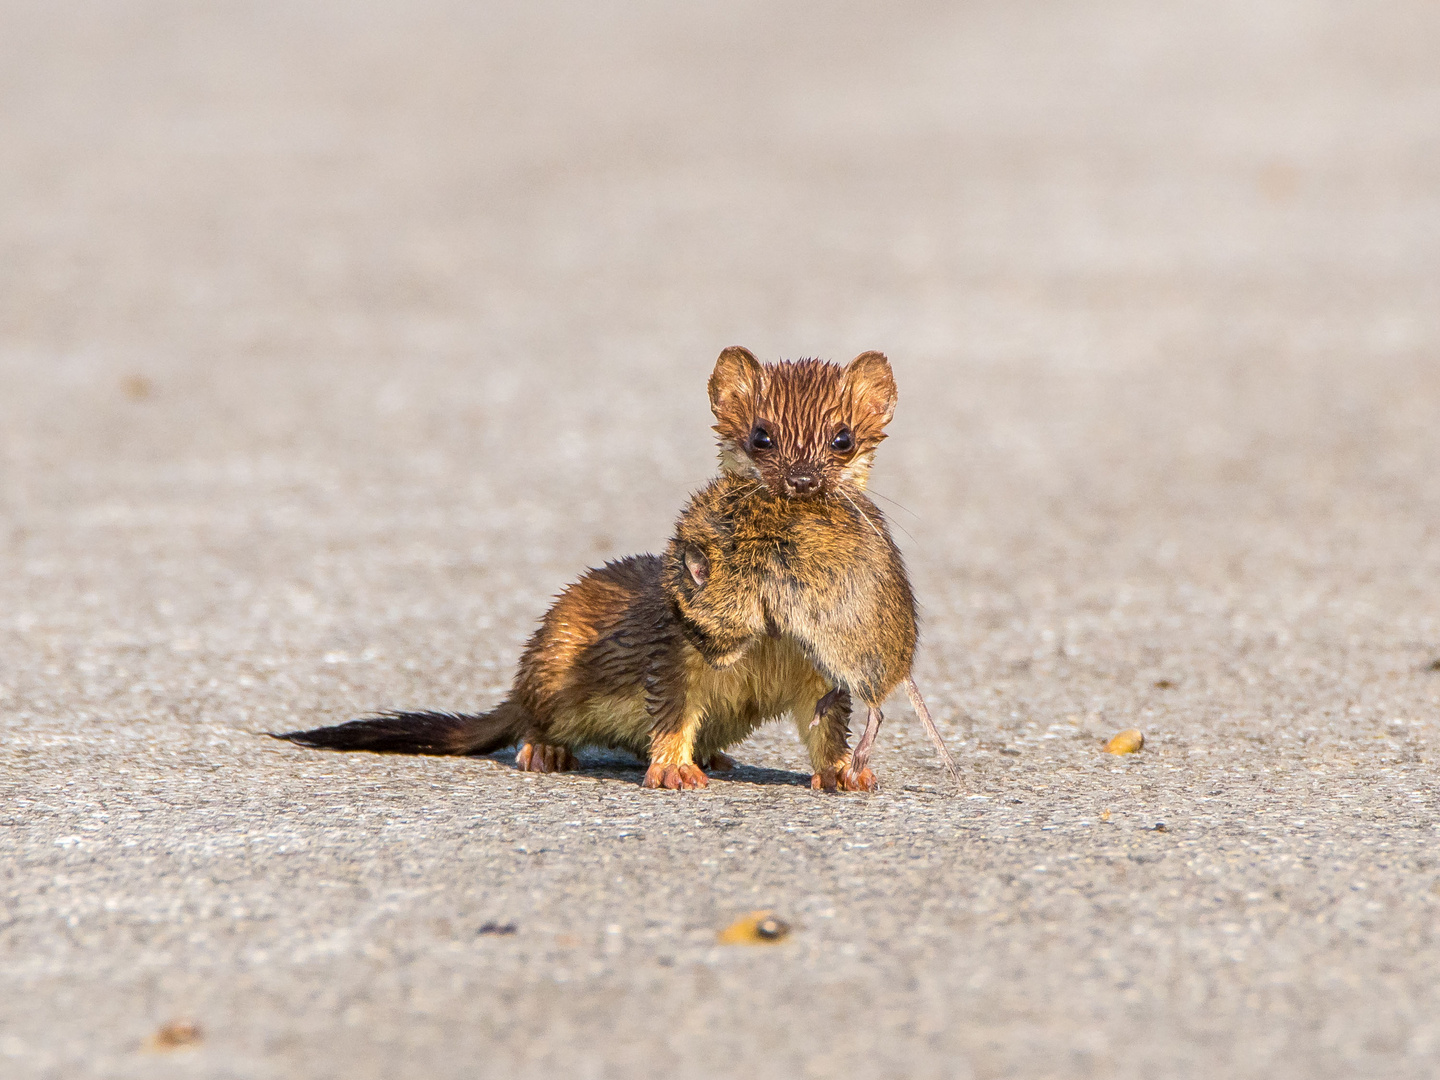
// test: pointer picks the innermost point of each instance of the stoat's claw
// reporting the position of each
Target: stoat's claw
(544, 757)
(843, 778)
(675, 777)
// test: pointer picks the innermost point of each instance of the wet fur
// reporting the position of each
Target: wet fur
(611, 666)
(822, 573)
(763, 604)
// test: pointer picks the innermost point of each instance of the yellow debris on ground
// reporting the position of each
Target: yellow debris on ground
(1126, 742)
(757, 928)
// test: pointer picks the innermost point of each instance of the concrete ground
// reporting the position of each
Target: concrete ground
(335, 338)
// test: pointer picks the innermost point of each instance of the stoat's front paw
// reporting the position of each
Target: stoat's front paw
(675, 777)
(843, 778)
(718, 762)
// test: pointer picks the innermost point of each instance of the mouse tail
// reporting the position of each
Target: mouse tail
(439, 733)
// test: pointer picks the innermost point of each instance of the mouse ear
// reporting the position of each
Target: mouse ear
(697, 566)
(870, 388)
(735, 384)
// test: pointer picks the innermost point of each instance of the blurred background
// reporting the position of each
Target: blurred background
(300, 300)
(336, 337)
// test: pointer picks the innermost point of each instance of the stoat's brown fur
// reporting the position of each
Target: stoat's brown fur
(781, 592)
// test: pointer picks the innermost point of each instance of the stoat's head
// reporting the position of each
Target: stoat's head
(805, 428)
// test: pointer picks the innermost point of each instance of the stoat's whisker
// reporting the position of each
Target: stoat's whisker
(894, 523)
(861, 512)
(892, 502)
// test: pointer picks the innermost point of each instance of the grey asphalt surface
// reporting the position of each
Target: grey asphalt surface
(335, 338)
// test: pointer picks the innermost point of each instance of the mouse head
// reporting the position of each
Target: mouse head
(805, 428)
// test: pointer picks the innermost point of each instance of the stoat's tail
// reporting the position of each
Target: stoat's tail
(421, 732)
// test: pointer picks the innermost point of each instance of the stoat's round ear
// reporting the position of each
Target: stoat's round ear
(870, 387)
(735, 381)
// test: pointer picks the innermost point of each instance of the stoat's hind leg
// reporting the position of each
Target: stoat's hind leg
(536, 756)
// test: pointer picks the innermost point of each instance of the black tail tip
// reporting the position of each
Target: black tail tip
(389, 733)
(301, 738)
(318, 738)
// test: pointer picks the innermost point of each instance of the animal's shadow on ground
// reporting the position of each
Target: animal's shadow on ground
(608, 765)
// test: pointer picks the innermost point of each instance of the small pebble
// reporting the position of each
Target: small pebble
(1127, 742)
(757, 928)
(497, 929)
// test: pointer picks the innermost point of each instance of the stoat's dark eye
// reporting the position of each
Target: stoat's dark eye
(760, 439)
(843, 442)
